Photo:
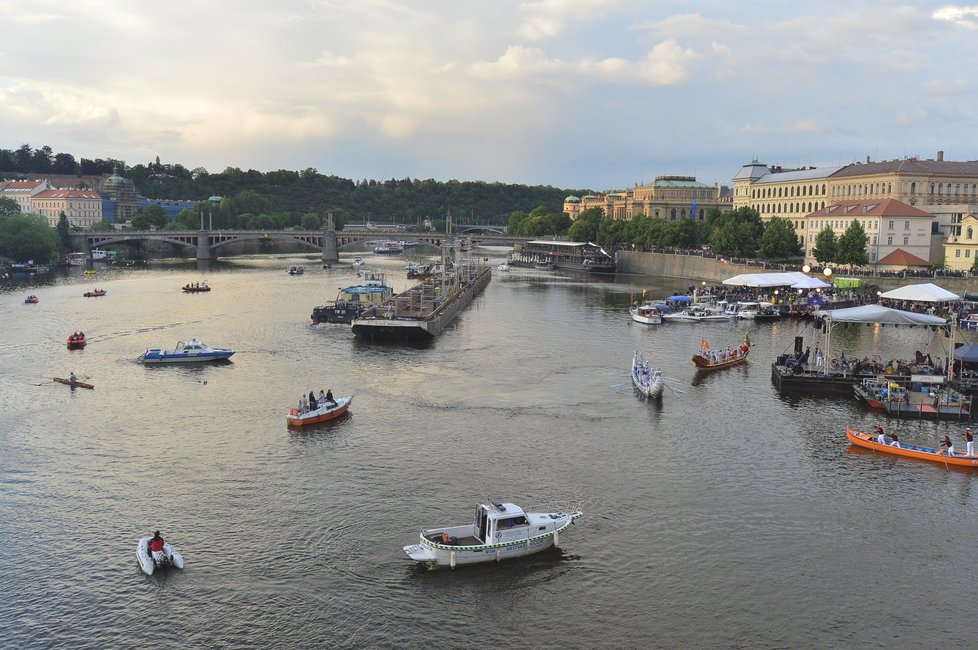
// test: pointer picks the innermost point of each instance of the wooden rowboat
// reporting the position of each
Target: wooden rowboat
(73, 384)
(703, 360)
(911, 451)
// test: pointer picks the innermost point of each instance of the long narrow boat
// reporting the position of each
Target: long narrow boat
(324, 413)
(911, 451)
(646, 379)
(73, 384)
(705, 360)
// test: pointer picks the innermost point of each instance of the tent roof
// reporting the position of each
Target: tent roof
(679, 299)
(810, 283)
(926, 292)
(967, 352)
(880, 314)
(767, 279)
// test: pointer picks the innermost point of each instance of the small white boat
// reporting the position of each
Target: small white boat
(170, 557)
(646, 379)
(503, 267)
(697, 315)
(295, 269)
(185, 352)
(324, 413)
(358, 261)
(646, 313)
(500, 531)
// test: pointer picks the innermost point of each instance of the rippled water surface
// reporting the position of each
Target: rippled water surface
(725, 516)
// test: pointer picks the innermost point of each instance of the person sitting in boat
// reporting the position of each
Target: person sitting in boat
(72, 378)
(448, 540)
(329, 397)
(313, 403)
(156, 546)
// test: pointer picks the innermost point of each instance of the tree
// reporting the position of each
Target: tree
(25, 237)
(585, 227)
(8, 206)
(64, 232)
(152, 216)
(851, 247)
(779, 240)
(311, 221)
(825, 244)
(737, 232)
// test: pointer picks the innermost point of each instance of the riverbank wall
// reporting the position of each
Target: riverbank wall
(713, 271)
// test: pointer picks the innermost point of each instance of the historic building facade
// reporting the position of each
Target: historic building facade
(961, 249)
(890, 226)
(83, 208)
(669, 198)
(22, 192)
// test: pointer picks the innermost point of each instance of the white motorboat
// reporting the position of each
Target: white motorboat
(358, 261)
(500, 531)
(697, 314)
(185, 352)
(170, 557)
(295, 269)
(503, 267)
(646, 379)
(647, 313)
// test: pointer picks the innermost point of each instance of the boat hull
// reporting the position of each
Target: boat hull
(434, 554)
(73, 384)
(867, 441)
(320, 415)
(339, 313)
(162, 357)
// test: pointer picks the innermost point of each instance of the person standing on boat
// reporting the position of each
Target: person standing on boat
(969, 437)
(949, 447)
(880, 434)
(313, 404)
(322, 398)
(895, 440)
(72, 377)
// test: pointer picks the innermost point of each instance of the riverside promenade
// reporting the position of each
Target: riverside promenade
(712, 270)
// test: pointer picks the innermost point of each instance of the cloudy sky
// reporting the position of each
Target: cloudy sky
(598, 94)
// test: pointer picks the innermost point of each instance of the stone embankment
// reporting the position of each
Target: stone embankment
(696, 267)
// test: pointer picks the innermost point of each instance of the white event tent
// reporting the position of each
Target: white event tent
(926, 292)
(762, 280)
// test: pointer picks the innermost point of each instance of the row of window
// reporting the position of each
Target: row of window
(861, 189)
(775, 208)
(778, 192)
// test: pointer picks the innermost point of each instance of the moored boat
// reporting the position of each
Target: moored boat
(868, 441)
(169, 557)
(697, 315)
(707, 359)
(185, 352)
(96, 293)
(503, 267)
(646, 379)
(500, 531)
(646, 313)
(76, 341)
(328, 411)
(354, 301)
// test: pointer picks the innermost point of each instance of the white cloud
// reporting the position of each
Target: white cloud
(666, 64)
(961, 16)
(518, 62)
(547, 18)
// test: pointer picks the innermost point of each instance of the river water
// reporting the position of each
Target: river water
(725, 516)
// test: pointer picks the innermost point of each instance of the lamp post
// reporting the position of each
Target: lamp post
(879, 296)
(214, 200)
(806, 269)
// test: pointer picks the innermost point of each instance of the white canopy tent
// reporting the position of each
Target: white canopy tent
(768, 279)
(882, 315)
(926, 292)
(810, 283)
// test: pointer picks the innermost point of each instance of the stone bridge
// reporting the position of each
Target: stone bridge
(208, 243)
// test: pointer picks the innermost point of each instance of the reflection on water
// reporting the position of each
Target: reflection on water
(724, 514)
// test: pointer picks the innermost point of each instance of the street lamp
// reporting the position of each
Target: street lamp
(214, 201)
(806, 269)
(827, 272)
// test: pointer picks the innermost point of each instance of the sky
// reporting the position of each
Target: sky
(576, 94)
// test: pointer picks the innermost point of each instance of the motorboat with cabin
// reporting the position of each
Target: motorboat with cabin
(499, 531)
(697, 315)
(186, 352)
(354, 301)
(169, 557)
(389, 248)
(646, 313)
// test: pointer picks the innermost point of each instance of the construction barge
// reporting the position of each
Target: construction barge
(427, 308)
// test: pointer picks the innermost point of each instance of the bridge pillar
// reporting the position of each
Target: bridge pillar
(330, 254)
(203, 249)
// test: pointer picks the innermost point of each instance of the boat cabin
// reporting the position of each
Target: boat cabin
(191, 346)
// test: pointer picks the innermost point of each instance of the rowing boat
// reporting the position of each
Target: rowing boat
(73, 384)
(706, 359)
(911, 451)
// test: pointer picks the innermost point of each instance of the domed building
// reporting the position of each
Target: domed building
(119, 201)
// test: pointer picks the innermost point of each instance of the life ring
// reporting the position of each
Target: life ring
(293, 411)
